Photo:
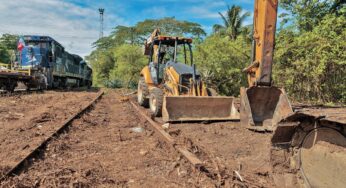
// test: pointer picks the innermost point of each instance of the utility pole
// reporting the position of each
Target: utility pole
(101, 11)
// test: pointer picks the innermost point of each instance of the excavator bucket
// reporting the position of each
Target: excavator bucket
(187, 108)
(261, 108)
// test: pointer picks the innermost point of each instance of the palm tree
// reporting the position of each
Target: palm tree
(233, 20)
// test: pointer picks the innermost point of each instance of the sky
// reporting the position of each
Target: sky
(75, 23)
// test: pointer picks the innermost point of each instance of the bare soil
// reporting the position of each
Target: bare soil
(25, 121)
(110, 147)
(113, 146)
(239, 153)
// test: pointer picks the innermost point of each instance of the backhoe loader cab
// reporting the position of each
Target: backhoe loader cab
(165, 52)
(172, 87)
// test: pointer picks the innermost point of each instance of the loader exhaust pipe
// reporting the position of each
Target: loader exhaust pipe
(261, 108)
(194, 73)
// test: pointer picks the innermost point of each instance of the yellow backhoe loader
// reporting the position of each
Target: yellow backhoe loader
(174, 89)
(312, 141)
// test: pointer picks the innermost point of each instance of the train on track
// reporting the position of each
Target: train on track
(42, 63)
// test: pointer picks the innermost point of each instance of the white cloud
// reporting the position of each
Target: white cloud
(75, 27)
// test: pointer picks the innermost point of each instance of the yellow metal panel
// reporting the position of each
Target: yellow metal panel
(173, 81)
(146, 74)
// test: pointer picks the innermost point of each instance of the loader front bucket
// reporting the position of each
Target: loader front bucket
(187, 108)
(261, 108)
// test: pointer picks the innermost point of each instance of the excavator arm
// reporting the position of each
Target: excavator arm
(260, 70)
(262, 104)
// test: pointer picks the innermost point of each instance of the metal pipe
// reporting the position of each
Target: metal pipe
(185, 53)
(194, 73)
(151, 52)
(158, 63)
(191, 55)
(175, 50)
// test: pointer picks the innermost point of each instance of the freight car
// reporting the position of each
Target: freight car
(43, 63)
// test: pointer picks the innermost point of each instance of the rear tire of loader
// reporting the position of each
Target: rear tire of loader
(142, 93)
(155, 101)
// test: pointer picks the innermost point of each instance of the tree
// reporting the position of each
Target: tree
(221, 61)
(4, 55)
(312, 65)
(119, 55)
(310, 58)
(102, 62)
(129, 62)
(138, 33)
(306, 14)
(9, 41)
(8, 44)
(104, 43)
(233, 20)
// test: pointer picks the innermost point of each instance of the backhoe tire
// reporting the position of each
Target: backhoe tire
(142, 93)
(212, 92)
(155, 101)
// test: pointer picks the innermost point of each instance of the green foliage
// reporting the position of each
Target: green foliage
(220, 61)
(102, 62)
(105, 43)
(129, 62)
(308, 13)
(233, 20)
(309, 62)
(312, 65)
(171, 26)
(8, 43)
(118, 58)
(4, 55)
(138, 33)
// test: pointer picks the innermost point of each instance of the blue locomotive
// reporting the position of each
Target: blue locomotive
(43, 63)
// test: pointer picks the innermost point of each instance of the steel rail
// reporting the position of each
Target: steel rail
(28, 160)
(191, 157)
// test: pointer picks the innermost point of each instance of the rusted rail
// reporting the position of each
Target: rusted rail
(192, 158)
(25, 162)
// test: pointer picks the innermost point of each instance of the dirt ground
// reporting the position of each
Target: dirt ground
(110, 147)
(113, 146)
(234, 148)
(25, 121)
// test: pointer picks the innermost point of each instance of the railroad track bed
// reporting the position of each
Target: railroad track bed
(230, 156)
(110, 146)
(238, 157)
(27, 121)
(116, 144)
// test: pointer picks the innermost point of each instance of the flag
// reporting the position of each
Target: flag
(21, 44)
